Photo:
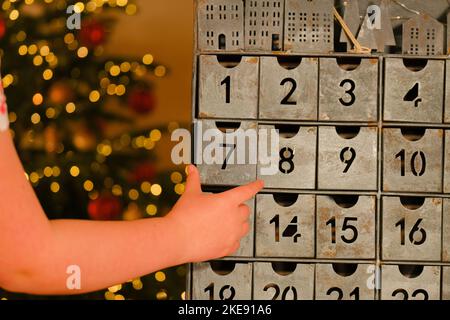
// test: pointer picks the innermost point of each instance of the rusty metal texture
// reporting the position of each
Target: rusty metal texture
(272, 282)
(348, 162)
(411, 231)
(344, 282)
(285, 226)
(228, 91)
(410, 282)
(297, 158)
(348, 90)
(423, 35)
(264, 25)
(288, 93)
(220, 25)
(346, 230)
(414, 94)
(230, 282)
(309, 26)
(412, 163)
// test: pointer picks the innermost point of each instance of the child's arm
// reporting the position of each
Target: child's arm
(35, 252)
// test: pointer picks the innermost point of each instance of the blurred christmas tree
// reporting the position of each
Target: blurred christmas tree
(66, 101)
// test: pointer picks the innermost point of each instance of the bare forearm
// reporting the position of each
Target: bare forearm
(107, 253)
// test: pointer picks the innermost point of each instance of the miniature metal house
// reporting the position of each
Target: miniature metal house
(221, 25)
(264, 25)
(424, 36)
(309, 26)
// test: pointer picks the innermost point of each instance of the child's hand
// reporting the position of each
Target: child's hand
(212, 225)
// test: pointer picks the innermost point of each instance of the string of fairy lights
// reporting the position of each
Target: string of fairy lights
(113, 80)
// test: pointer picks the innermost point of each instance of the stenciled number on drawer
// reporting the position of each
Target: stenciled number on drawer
(349, 98)
(284, 294)
(354, 293)
(414, 295)
(416, 155)
(227, 83)
(287, 156)
(346, 226)
(416, 229)
(227, 292)
(229, 153)
(287, 100)
(348, 161)
(291, 230)
(413, 95)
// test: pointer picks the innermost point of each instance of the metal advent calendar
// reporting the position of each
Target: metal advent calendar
(359, 207)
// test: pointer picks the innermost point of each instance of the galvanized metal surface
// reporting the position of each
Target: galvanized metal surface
(344, 231)
(447, 162)
(233, 173)
(446, 232)
(264, 25)
(297, 159)
(220, 25)
(423, 35)
(288, 93)
(414, 95)
(272, 282)
(412, 233)
(447, 89)
(348, 95)
(285, 229)
(309, 26)
(228, 91)
(411, 286)
(331, 285)
(348, 163)
(412, 165)
(446, 283)
(226, 284)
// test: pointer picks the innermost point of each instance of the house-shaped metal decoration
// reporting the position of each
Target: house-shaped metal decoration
(264, 25)
(221, 25)
(423, 35)
(309, 26)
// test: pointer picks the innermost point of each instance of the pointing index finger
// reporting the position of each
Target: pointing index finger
(244, 193)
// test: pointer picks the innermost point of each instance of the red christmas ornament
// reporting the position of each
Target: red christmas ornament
(2, 28)
(92, 34)
(142, 101)
(143, 172)
(105, 207)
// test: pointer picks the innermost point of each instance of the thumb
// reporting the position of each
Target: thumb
(193, 180)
